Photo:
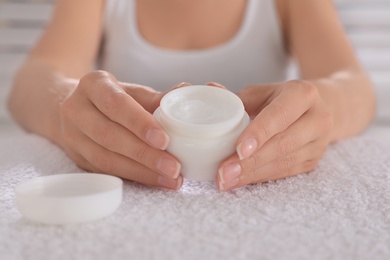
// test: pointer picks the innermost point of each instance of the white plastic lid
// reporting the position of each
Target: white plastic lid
(69, 198)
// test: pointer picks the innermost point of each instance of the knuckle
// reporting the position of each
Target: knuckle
(94, 76)
(87, 80)
(282, 113)
(251, 162)
(286, 162)
(105, 134)
(286, 144)
(110, 101)
(141, 154)
(265, 130)
(309, 90)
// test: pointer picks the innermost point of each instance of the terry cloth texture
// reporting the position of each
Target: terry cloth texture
(339, 211)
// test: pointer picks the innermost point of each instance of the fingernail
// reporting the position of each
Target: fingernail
(169, 167)
(172, 184)
(157, 138)
(246, 148)
(229, 185)
(183, 84)
(229, 172)
(215, 84)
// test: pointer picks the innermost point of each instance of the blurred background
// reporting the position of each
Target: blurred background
(367, 23)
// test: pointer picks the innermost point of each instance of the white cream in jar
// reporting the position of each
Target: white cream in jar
(203, 124)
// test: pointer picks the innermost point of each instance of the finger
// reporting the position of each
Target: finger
(118, 139)
(82, 162)
(255, 98)
(180, 85)
(147, 97)
(215, 84)
(311, 126)
(240, 173)
(162, 182)
(120, 107)
(288, 105)
(105, 161)
(78, 159)
(300, 133)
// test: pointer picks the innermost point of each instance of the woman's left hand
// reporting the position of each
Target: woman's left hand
(290, 130)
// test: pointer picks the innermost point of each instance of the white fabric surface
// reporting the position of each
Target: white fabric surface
(340, 211)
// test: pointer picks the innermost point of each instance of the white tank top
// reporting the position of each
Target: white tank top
(254, 55)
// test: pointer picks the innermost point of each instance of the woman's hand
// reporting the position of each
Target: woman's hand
(290, 131)
(107, 126)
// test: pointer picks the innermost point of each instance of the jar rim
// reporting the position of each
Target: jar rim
(227, 98)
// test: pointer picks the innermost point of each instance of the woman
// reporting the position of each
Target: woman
(105, 125)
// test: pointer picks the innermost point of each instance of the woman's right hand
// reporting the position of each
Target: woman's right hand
(107, 126)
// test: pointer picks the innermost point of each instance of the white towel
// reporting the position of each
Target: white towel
(339, 211)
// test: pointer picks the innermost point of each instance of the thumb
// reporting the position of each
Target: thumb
(180, 85)
(147, 97)
(256, 98)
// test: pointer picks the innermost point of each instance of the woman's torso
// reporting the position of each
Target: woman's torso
(162, 43)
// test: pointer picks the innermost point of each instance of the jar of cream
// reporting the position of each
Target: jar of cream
(203, 124)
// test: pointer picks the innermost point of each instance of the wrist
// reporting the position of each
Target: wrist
(351, 100)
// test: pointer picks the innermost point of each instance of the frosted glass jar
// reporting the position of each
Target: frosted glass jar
(203, 124)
